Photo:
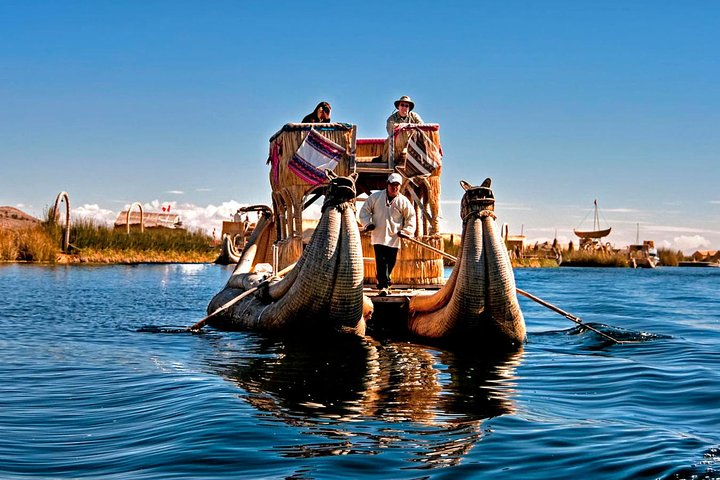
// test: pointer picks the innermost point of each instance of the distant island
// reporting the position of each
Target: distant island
(24, 238)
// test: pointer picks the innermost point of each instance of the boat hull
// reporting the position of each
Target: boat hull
(322, 292)
(478, 304)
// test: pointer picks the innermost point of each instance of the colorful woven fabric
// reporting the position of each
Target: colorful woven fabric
(423, 157)
(315, 155)
(275, 159)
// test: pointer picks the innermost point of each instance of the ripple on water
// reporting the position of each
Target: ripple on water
(85, 394)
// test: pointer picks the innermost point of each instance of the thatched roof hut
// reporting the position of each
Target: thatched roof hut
(706, 255)
(150, 220)
(300, 153)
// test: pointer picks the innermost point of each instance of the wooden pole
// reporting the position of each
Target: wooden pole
(565, 314)
(532, 297)
(201, 323)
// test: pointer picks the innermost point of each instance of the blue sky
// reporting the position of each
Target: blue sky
(560, 102)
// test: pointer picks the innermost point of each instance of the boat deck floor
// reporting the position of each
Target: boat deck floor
(392, 311)
(399, 293)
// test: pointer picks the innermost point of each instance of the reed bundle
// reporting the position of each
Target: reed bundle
(415, 264)
(369, 149)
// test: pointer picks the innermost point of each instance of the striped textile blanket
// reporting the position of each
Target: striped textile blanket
(315, 155)
(423, 156)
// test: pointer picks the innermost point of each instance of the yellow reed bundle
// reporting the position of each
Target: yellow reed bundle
(415, 265)
(289, 251)
(368, 151)
(264, 245)
(286, 143)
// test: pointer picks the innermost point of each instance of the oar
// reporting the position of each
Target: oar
(430, 247)
(565, 314)
(542, 302)
(201, 323)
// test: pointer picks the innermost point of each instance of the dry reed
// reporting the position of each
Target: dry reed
(101, 244)
(28, 244)
(8, 245)
(670, 258)
(582, 258)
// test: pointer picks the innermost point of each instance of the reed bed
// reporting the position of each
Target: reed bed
(95, 243)
(91, 255)
(27, 244)
(534, 263)
(582, 258)
(670, 258)
(86, 234)
(8, 245)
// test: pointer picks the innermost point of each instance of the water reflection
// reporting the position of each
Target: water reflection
(336, 386)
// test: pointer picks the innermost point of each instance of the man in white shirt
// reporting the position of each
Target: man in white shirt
(390, 216)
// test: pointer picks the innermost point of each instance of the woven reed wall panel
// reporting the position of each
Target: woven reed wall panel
(289, 187)
(415, 265)
(289, 251)
(370, 149)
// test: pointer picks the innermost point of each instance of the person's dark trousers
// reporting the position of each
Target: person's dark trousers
(384, 262)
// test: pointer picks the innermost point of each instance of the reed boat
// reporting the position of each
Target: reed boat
(643, 255)
(229, 254)
(597, 232)
(330, 284)
(235, 234)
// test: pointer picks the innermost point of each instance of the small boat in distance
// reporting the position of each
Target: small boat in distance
(642, 255)
(596, 232)
(698, 264)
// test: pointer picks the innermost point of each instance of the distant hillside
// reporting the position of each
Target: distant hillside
(11, 218)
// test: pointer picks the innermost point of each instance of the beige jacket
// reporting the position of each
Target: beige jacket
(389, 219)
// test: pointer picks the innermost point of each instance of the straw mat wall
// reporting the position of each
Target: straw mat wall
(264, 245)
(427, 188)
(369, 148)
(288, 189)
(401, 138)
(415, 265)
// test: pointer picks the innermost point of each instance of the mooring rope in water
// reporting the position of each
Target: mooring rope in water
(542, 302)
(201, 323)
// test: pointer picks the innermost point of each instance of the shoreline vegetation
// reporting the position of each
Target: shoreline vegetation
(38, 241)
(98, 244)
(545, 258)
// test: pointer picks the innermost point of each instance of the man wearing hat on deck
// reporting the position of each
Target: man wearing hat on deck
(390, 216)
(404, 114)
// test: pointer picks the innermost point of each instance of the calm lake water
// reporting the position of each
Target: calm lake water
(88, 391)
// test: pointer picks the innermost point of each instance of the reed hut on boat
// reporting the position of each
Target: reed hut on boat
(300, 153)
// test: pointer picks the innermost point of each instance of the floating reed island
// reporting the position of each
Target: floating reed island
(60, 239)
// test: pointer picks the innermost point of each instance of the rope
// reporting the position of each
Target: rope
(480, 214)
